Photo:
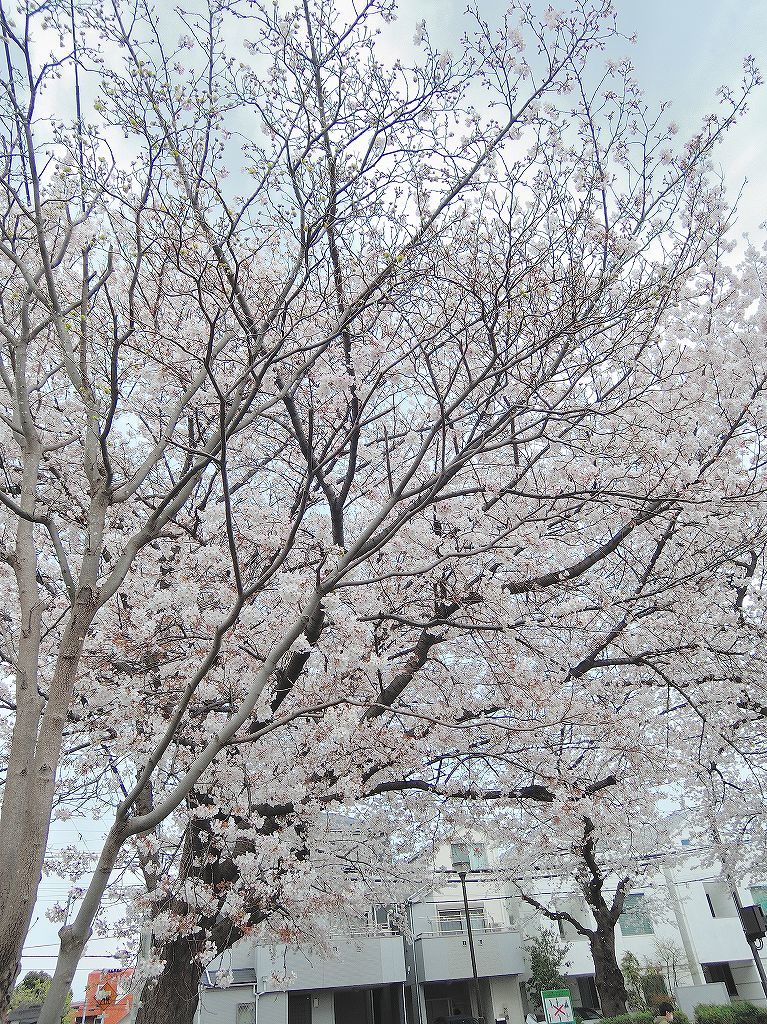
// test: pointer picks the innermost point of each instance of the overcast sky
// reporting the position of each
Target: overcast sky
(684, 50)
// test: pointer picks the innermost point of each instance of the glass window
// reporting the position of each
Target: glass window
(473, 854)
(477, 918)
(450, 921)
(380, 917)
(633, 921)
(453, 921)
(759, 895)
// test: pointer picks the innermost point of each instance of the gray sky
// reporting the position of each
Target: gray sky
(685, 49)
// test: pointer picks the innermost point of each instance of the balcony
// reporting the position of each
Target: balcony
(361, 961)
(447, 957)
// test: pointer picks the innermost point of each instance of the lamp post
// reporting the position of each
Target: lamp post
(754, 943)
(462, 870)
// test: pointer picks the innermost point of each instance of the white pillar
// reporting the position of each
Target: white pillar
(681, 922)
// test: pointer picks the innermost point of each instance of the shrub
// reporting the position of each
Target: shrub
(747, 1013)
(739, 1012)
(548, 964)
(654, 987)
(647, 1016)
(644, 1017)
(705, 1014)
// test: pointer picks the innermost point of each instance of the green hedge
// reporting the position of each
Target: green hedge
(647, 1017)
(714, 1015)
(738, 1012)
(629, 1018)
(747, 1013)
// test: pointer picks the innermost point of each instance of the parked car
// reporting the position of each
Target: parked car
(587, 1013)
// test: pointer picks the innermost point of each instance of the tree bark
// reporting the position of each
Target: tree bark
(608, 976)
(174, 995)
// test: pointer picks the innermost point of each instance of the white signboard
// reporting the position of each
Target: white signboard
(558, 1006)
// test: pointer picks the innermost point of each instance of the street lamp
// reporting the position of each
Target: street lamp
(463, 868)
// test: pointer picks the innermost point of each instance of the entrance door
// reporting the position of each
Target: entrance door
(446, 999)
(299, 1008)
(387, 1004)
(353, 1006)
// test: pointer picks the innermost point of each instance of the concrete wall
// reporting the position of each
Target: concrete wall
(689, 996)
(749, 986)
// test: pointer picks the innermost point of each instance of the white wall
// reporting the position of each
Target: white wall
(714, 938)
(506, 1000)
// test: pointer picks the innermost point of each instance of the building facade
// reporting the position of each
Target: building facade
(423, 971)
(108, 998)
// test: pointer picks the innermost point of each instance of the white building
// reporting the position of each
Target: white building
(379, 976)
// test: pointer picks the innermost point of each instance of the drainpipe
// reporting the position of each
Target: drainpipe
(684, 931)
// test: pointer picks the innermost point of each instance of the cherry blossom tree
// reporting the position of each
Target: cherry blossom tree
(596, 844)
(634, 696)
(288, 450)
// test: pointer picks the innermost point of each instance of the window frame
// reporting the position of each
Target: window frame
(642, 923)
(457, 915)
(473, 854)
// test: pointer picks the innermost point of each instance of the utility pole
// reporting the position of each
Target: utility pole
(462, 871)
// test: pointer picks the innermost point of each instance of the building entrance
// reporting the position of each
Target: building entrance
(446, 999)
(299, 1008)
(368, 1005)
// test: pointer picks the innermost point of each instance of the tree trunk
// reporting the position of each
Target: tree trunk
(28, 798)
(608, 976)
(174, 995)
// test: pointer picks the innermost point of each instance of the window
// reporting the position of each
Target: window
(514, 911)
(473, 854)
(720, 972)
(246, 1013)
(451, 922)
(759, 896)
(719, 899)
(633, 921)
(380, 918)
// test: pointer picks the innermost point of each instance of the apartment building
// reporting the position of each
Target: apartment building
(108, 997)
(381, 976)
